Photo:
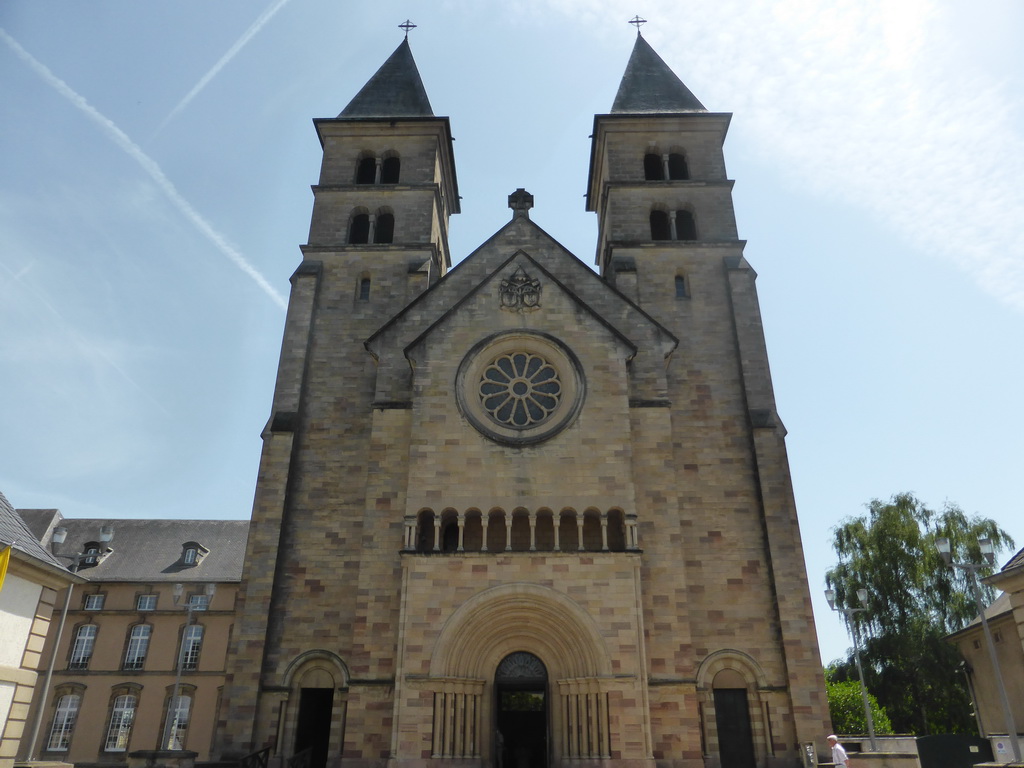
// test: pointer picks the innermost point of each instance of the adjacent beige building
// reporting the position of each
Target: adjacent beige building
(125, 636)
(521, 512)
(27, 597)
(1006, 622)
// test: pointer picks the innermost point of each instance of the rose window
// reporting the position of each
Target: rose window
(520, 389)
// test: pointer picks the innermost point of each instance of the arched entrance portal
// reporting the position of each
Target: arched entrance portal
(521, 690)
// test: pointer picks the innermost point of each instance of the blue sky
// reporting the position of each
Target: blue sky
(154, 189)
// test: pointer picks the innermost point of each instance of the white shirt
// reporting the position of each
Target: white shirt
(839, 754)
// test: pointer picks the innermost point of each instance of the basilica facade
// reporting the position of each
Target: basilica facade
(521, 512)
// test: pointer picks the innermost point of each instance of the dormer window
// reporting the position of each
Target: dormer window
(192, 552)
(91, 553)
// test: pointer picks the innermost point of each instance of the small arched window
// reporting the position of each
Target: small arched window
(677, 168)
(686, 227)
(660, 229)
(190, 555)
(359, 229)
(364, 289)
(389, 170)
(653, 170)
(384, 232)
(366, 171)
(681, 291)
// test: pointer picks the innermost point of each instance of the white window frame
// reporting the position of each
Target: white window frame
(95, 601)
(146, 602)
(192, 644)
(64, 718)
(138, 647)
(199, 601)
(122, 717)
(180, 710)
(83, 646)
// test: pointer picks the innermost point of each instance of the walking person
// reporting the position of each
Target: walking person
(839, 757)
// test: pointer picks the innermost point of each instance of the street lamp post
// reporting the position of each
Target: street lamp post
(60, 534)
(862, 597)
(170, 723)
(971, 569)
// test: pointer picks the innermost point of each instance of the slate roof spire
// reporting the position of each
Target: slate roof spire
(650, 86)
(395, 90)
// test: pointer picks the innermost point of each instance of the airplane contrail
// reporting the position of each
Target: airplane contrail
(150, 166)
(257, 25)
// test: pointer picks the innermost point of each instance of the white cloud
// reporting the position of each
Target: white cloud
(875, 104)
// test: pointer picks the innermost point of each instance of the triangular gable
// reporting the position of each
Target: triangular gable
(601, 299)
(519, 256)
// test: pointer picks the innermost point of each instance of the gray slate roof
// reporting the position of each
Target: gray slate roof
(151, 550)
(1015, 561)
(14, 529)
(649, 86)
(396, 90)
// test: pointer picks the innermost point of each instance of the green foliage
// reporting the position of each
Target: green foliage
(846, 707)
(914, 600)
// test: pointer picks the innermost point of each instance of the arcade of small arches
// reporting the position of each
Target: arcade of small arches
(673, 225)
(521, 530)
(366, 227)
(667, 166)
(382, 169)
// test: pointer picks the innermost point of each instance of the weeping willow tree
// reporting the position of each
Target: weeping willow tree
(914, 601)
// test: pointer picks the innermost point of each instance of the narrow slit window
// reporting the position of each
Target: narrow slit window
(681, 291)
(364, 289)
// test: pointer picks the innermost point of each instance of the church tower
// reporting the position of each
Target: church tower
(527, 514)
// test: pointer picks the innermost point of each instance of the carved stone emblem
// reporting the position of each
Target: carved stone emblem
(520, 292)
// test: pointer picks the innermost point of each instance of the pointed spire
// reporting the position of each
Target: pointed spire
(650, 86)
(396, 90)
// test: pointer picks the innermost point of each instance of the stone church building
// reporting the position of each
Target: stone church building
(521, 512)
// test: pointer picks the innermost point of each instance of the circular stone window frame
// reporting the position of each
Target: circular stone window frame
(485, 352)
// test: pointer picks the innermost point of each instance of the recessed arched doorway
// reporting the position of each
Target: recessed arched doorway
(521, 708)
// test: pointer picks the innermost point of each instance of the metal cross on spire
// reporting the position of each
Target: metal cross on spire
(637, 22)
(407, 25)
